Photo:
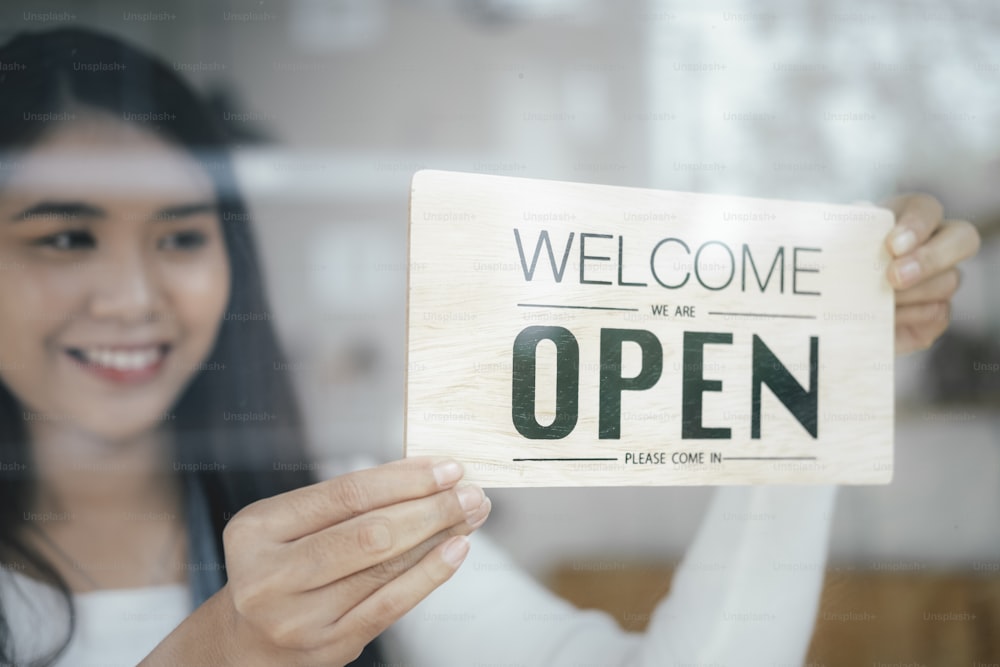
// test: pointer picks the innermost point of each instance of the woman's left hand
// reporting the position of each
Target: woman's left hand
(925, 250)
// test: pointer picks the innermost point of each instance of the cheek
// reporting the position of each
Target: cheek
(35, 305)
(199, 292)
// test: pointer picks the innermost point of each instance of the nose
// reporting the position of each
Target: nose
(128, 289)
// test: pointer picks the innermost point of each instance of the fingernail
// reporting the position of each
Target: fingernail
(903, 242)
(470, 497)
(907, 271)
(447, 472)
(456, 550)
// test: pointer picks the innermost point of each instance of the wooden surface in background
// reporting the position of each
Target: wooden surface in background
(930, 619)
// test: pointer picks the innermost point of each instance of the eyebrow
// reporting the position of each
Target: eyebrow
(72, 210)
(185, 210)
(50, 209)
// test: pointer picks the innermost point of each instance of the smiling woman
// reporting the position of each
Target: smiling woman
(130, 289)
(124, 243)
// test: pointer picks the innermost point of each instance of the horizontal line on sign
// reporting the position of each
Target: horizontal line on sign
(794, 317)
(597, 458)
(768, 458)
(550, 305)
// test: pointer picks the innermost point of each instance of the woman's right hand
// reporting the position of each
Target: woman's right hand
(318, 572)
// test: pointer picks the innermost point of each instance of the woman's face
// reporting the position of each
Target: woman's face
(114, 275)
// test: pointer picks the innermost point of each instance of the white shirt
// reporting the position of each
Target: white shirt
(745, 594)
(114, 627)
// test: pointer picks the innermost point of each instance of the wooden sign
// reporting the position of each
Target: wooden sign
(565, 334)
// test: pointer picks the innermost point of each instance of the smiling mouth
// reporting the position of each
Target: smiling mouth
(122, 359)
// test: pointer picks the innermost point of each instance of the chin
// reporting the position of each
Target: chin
(119, 428)
(123, 435)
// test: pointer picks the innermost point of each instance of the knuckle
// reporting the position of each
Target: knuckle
(434, 574)
(350, 494)
(929, 203)
(287, 634)
(250, 598)
(375, 536)
(928, 199)
(926, 258)
(245, 525)
(387, 609)
(430, 575)
(230, 536)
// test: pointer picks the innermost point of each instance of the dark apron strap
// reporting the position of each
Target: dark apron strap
(204, 564)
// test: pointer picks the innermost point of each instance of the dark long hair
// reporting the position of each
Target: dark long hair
(238, 430)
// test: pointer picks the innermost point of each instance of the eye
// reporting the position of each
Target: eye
(73, 239)
(187, 240)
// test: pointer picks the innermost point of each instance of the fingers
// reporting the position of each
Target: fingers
(913, 338)
(360, 543)
(923, 313)
(322, 606)
(954, 241)
(939, 288)
(926, 251)
(287, 592)
(339, 641)
(918, 326)
(374, 577)
(917, 216)
(294, 514)
(389, 603)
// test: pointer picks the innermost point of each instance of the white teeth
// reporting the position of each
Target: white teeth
(123, 360)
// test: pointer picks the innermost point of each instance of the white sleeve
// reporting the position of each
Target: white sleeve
(745, 594)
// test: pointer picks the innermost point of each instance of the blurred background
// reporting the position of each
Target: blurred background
(334, 104)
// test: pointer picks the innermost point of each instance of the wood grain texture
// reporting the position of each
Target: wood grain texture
(929, 618)
(719, 265)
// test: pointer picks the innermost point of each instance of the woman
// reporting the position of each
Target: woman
(146, 437)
